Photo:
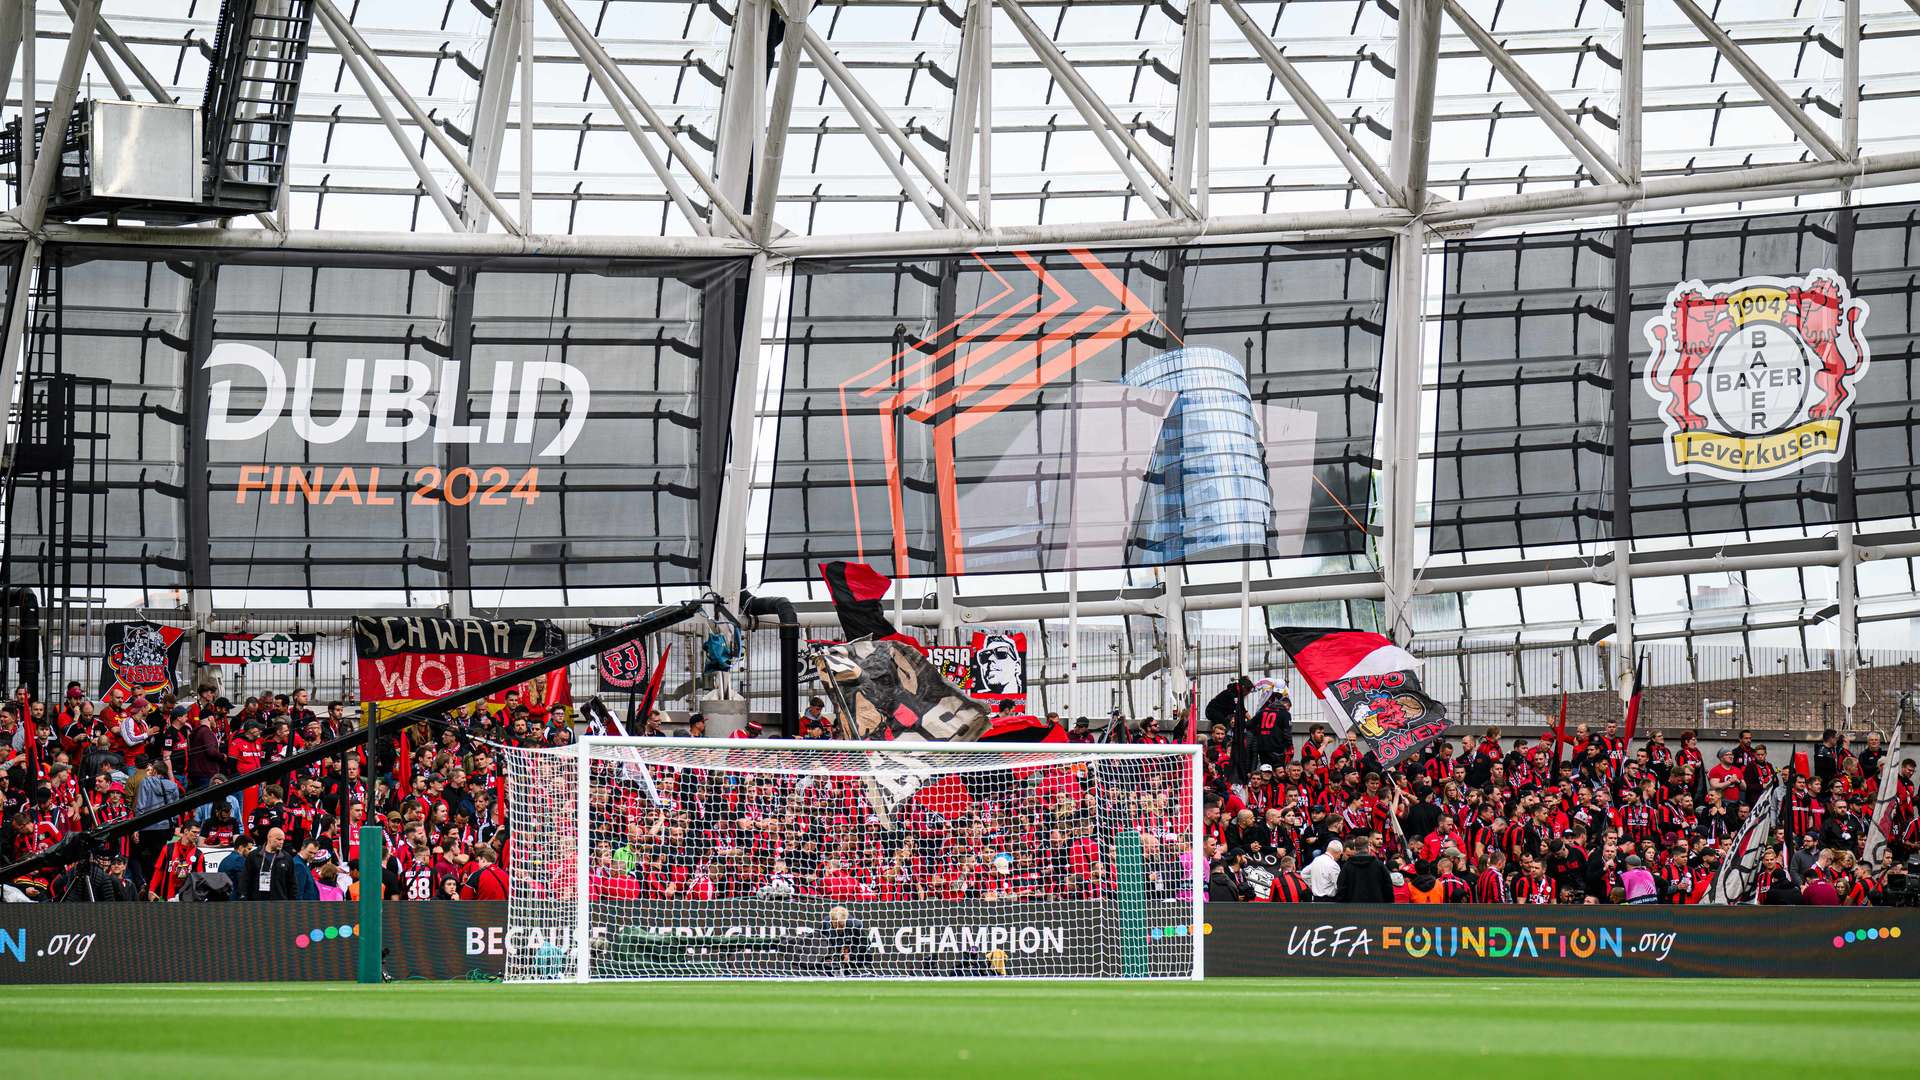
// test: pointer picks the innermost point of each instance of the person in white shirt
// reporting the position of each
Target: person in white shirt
(1323, 873)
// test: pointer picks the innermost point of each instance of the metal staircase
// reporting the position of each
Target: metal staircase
(259, 55)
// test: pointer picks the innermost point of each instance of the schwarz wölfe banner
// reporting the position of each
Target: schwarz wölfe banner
(258, 648)
(410, 659)
(1369, 685)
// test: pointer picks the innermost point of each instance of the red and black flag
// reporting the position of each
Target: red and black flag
(1369, 685)
(857, 590)
(1633, 703)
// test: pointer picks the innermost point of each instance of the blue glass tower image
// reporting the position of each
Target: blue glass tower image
(1207, 485)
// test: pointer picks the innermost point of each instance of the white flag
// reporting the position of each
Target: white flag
(1734, 881)
(1883, 800)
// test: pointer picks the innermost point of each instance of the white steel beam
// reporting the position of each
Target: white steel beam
(1368, 175)
(127, 56)
(743, 105)
(11, 25)
(1416, 60)
(31, 214)
(1193, 105)
(603, 67)
(120, 88)
(1763, 84)
(490, 109)
(348, 39)
(1847, 587)
(1633, 32)
(1120, 144)
(356, 65)
(964, 121)
(857, 100)
(773, 157)
(866, 122)
(584, 48)
(736, 491)
(1537, 98)
(525, 37)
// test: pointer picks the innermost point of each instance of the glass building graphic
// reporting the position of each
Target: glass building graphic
(1207, 484)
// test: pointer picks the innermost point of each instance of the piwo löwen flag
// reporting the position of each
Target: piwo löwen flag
(1370, 685)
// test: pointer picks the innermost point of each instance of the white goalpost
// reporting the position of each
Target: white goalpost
(639, 858)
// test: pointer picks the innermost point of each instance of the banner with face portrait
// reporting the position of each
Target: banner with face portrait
(999, 665)
(141, 658)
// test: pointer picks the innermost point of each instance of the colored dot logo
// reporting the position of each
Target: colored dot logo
(320, 934)
(1164, 933)
(1871, 933)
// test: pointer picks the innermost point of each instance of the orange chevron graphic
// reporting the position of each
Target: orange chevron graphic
(976, 374)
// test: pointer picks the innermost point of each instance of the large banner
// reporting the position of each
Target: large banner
(349, 421)
(1034, 411)
(1504, 941)
(1369, 685)
(1710, 376)
(141, 658)
(245, 649)
(409, 659)
(991, 666)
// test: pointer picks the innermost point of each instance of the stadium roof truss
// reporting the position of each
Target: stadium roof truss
(784, 129)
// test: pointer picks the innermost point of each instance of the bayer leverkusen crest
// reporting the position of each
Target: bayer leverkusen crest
(1755, 377)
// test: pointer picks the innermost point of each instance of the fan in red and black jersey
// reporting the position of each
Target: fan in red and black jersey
(179, 858)
(1491, 886)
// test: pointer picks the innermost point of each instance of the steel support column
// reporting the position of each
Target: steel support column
(1193, 105)
(490, 109)
(1419, 37)
(964, 122)
(1847, 581)
(743, 106)
(773, 155)
(1633, 33)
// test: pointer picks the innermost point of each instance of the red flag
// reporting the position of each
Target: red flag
(1560, 734)
(857, 590)
(499, 798)
(653, 688)
(32, 733)
(1633, 703)
(403, 767)
(1193, 714)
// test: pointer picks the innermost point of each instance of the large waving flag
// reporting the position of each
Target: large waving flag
(857, 590)
(1734, 882)
(1369, 685)
(1886, 798)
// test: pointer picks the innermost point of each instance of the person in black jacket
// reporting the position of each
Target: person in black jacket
(269, 874)
(93, 882)
(1363, 877)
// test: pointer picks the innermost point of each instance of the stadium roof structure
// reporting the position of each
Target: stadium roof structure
(781, 130)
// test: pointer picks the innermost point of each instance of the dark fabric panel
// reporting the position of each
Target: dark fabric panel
(1886, 274)
(1521, 451)
(877, 360)
(1712, 252)
(495, 439)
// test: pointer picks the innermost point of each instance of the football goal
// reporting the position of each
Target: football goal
(637, 858)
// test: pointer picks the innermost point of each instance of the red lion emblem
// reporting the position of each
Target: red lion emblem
(1699, 323)
(1814, 312)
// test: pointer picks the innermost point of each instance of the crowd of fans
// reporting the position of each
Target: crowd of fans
(1582, 818)
(82, 764)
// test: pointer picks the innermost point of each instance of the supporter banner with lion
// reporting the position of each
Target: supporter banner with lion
(1369, 685)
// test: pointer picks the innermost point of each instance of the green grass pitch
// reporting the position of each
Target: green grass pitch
(1422, 1028)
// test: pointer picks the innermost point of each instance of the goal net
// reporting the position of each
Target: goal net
(810, 859)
